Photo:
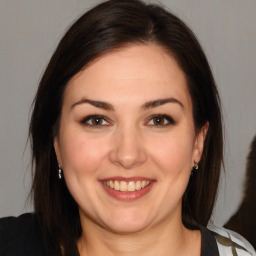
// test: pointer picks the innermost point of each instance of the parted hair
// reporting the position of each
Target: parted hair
(108, 26)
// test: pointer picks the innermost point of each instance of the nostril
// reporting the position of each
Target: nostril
(128, 159)
(128, 149)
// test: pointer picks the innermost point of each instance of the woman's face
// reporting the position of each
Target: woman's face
(126, 140)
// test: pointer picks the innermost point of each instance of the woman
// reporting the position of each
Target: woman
(127, 142)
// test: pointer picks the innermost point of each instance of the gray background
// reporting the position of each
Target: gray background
(29, 32)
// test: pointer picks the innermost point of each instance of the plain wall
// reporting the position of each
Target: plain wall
(29, 33)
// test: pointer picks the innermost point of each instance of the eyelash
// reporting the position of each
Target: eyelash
(170, 120)
(85, 121)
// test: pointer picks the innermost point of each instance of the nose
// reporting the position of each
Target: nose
(128, 150)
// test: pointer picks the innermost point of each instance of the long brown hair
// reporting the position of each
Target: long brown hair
(108, 26)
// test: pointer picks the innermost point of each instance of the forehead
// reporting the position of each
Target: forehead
(140, 72)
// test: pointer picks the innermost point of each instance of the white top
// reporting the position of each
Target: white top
(231, 244)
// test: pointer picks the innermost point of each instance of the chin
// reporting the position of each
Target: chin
(127, 228)
(127, 224)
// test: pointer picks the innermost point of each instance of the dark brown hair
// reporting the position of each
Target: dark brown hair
(109, 26)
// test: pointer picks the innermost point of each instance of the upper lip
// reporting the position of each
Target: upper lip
(119, 178)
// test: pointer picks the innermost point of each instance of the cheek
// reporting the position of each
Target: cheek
(173, 154)
(82, 154)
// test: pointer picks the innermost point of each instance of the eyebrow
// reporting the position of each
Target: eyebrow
(160, 102)
(109, 107)
(97, 104)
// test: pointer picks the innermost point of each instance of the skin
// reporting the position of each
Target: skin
(129, 143)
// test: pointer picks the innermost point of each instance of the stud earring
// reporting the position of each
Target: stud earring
(194, 169)
(60, 172)
(195, 166)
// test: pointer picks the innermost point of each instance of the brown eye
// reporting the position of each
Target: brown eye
(158, 121)
(161, 120)
(94, 121)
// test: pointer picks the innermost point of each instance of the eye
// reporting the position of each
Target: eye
(94, 121)
(161, 120)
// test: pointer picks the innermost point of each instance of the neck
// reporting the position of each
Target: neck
(161, 240)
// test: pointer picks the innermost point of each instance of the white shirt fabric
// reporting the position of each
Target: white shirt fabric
(230, 243)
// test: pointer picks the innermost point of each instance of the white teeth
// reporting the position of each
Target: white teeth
(131, 186)
(116, 185)
(111, 184)
(124, 186)
(138, 185)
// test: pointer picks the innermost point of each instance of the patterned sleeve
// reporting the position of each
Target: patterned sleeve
(231, 244)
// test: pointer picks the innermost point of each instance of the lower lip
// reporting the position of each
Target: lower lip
(128, 196)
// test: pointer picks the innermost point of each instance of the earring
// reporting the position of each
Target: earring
(60, 172)
(194, 169)
(195, 166)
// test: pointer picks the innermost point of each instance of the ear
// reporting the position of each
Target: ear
(199, 144)
(56, 144)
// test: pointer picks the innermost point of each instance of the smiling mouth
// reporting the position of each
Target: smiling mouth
(126, 186)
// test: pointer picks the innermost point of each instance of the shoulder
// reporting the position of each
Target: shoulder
(20, 235)
(231, 243)
(24, 220)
